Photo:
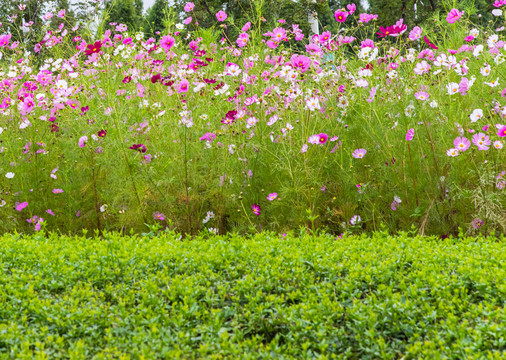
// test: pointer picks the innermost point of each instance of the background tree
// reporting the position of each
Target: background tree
(156, 18)
(128, 12)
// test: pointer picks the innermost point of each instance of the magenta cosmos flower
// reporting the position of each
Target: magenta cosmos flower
(461, 144)
(454, 15)
(322, 138)
(341, 16)
(502, 131)
(221, 16)
(359, 153)
(167, 42)
(256, 209)
(21, 206)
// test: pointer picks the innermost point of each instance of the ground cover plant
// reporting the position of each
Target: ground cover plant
(273, 129)
(261, 297)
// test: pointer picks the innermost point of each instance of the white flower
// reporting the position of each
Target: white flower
(9, 175)
(497, 12)
(433, 104)
(313, 103)
(179, 26)
(452, 88)
(493, 83)
(2, 203)
(485, 71)
(476, 115)
(478, 50)
(103, 208)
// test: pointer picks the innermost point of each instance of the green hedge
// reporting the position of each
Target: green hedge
(262, 297)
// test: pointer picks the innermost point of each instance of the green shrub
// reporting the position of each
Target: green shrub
(259, 298)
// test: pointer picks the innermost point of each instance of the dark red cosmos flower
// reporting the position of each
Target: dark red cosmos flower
(102, 133)
(140, 147)
(127, 79)
(156, 78)
(93, 48)
(427, 41)
(209, 59)
(209, 81)
(168, 83)
(54, 127)
(85, 109)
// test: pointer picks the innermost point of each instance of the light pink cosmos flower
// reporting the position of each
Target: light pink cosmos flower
(82, 141)
(57, 191)
(359, 153)
(189, 6)
(421, 95)
(482, 141)
(452, 152)
(242, 40)
(410, 134)
(188, 20)
(461, 143)
(221, 15)
(415, 34)
(272, 196)
(454, 15)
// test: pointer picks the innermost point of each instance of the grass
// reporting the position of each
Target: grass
(262, 297)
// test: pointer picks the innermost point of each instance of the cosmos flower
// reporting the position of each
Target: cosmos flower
(256, 209)
(454, 15)
(359, 153)
(272, 196)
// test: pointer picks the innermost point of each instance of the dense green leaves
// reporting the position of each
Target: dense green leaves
(258, 298)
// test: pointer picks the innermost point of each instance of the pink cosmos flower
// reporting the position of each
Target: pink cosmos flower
(415, 34)
(359, 153)
(421, 95)
(189, 7)
(365, 18)
(482, 141)
(322, 138)
(256, 209)
(246, 27)
(461, 144)
(208, 137)
(50, 212)
(300, 62)
(221, 15)
(57, 191)
(61, 13)
(167, 42)
(242, 40)
(355, 219)
(158, 216)
(272, 196)
(454, 15)
(452, 152)
(340, 16)
(182, 86)
(187, 20)
(410, 134)
(82, 141)
(502, 131)
(21, 206)
(351, 8)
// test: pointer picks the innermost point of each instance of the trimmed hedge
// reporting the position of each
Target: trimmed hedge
(262, 297)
